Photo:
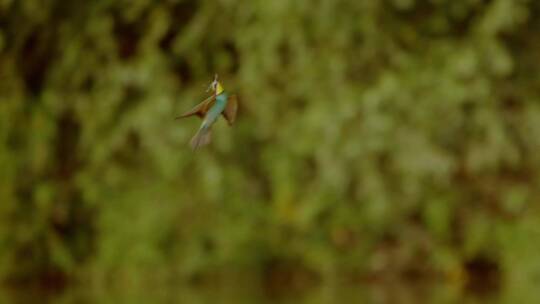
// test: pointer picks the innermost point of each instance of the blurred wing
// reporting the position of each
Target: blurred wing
(200, 109)
(230, 109)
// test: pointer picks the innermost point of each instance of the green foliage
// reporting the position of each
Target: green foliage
(373, 136)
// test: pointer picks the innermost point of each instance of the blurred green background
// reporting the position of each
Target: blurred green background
(376, 140)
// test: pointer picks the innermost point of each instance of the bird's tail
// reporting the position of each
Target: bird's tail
(203, 137)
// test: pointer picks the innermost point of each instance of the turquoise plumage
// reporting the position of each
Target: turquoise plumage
(220, 103)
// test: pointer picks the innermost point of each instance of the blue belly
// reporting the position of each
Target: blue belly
(216, 109)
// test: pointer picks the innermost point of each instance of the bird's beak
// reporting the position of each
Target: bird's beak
(212, 86)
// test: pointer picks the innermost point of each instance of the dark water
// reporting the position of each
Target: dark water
(373, 293)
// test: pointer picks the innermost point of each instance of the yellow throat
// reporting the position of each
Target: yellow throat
(219, 89)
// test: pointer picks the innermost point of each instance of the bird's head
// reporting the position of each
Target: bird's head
(215, 86)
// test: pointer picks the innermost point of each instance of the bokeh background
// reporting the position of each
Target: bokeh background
(376, 140)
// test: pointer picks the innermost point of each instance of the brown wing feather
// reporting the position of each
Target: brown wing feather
(231, 109)
(200, 109)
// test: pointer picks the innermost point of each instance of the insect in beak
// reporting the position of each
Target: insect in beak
(213, 85)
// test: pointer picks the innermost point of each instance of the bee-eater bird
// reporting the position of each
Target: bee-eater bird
(220, 103)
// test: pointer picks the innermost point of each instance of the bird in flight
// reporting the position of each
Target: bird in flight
(219, 103)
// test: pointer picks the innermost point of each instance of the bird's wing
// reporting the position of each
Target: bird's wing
(230, 110)
(200, 109)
